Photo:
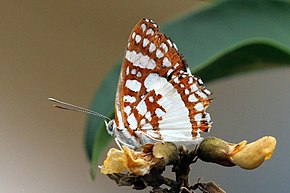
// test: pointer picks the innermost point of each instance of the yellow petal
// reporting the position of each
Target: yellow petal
(138, 163)
(250, 156)
(114, 162)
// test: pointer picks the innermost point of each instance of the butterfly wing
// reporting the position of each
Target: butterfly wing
(157, 96)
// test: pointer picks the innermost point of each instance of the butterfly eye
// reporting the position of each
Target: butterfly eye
(111, 126)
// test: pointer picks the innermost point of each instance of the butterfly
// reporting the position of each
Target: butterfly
(157, 97)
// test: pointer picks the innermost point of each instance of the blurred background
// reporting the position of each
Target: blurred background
(64, 49)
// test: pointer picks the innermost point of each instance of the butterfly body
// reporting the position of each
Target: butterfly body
(157, 98)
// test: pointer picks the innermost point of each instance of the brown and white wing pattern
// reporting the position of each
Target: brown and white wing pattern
(157, 96)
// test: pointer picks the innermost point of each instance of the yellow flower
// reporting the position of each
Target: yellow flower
(246, 156)
(251, 156)
(138, 162)
(114, 162)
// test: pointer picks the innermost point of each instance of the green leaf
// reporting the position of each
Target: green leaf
(227, 38)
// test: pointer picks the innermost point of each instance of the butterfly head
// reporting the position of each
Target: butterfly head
(111, 127)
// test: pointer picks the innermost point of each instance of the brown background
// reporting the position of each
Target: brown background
(64, 49)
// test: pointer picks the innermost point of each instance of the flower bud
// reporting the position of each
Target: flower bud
(167, 151)
(246, 156)
(214, 150)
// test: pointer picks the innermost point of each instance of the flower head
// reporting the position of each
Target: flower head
(247, 156)
(139, 162)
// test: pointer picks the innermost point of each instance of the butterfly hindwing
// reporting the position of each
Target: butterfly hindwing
(157, 96)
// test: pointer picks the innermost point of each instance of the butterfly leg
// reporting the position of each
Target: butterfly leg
(120, 143)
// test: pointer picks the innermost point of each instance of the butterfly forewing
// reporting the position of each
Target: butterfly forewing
(157, 96)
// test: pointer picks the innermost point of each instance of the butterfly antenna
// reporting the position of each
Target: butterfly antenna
(67, 106)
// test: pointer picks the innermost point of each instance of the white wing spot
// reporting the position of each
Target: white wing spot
(143, 27)
(150, 81)
(148, 116)
(120, 118)
(174, 46)
(127, 110)
(199, 107)
(176, 80)
(151, 64)
(140, 60)
(137, 39)
(151, 99)
(143, 121)
(201, 94)
(200, 81)
(133, 85)
(193, 88)
(164, 47)
(188, 70)
(159, 112)
(169, 72)
(145, 42)
(133, 35)
(198, 117)
(127, 70)
(186, 91)
(169, 42)
(150, 31)
(139, 74)
(175, 66)
(152, 47)
(198, 124)
(207, 91)
(142, 108)
(159, 54)
(132, 121)
(128, 98)
(130, 56)
(166, 62)
(133, 71)
(192, 98)
(190, 80)
(207, 117)
(182, 85)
